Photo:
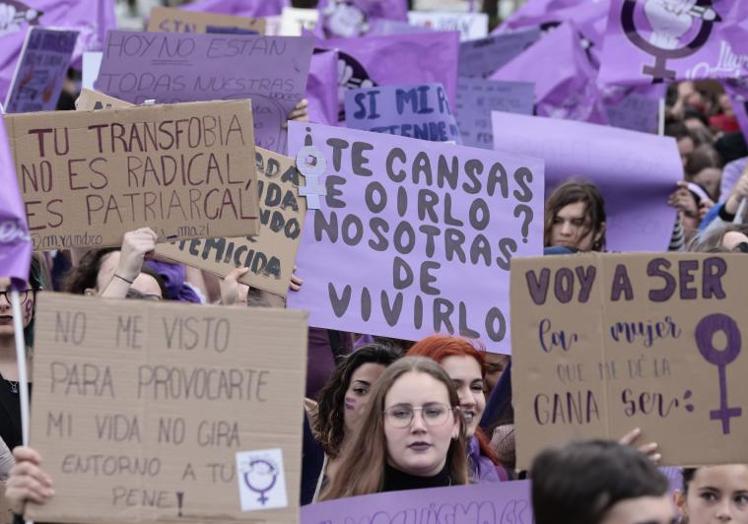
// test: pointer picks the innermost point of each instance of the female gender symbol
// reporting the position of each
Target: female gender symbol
(659, 71)
(261, 470)
(705, 331)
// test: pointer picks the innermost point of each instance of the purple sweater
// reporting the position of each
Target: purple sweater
(481, 468)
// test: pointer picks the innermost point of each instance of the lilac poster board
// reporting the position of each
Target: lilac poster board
(41, 70)
(635, 112)
(182, 67)
(412, 237)
(483, 57)
(416, 111)
(634, 171)
(476, 98)
(664, 40)
(505, 503)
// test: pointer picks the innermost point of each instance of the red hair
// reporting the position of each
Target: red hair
(440, 347)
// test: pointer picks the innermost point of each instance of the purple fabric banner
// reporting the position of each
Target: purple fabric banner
(400, 225)
(417, 111)
(184, 67)
(42, 69)
(350, 18)
(250, 8)
(635, 171)
(403, 59)
(563, 76)
(93, 18)
(507, 503)
(322, 88)
(476, 98)
(653, 41)
(15, 242)
(481, 58)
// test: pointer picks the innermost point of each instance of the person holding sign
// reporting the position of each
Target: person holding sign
(575, 217)
(714, 494)
(342, 400)
(466, 366)
(412, 435)
(598, 482)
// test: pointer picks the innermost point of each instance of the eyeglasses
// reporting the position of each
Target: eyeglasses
(433, 414)
(23, 294)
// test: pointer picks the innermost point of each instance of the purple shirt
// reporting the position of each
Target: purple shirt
(481, 468)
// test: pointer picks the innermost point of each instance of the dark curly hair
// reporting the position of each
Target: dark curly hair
(330, 423)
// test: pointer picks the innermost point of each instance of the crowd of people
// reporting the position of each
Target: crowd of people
(384, 414)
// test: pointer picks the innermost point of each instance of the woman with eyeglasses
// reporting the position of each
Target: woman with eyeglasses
(412, 435)
(466, 367)
(10, 409)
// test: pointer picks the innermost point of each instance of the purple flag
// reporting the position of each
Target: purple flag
(738, 92)
(40, 72)
(635, 171)
(322, 88)
(666, 40)
(635, 112)
(417, 111)
(239, 7)
(563, 76)
(93, 18)
(349, 18)
(184, 67)
(394, 225)
(15, 243)
(477, 98)
(402, 59)
(483, 57)
(505, 503)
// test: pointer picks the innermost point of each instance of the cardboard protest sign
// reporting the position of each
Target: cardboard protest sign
(160, 412)
(417, 111)
(476, 98)
(90, 100)
(608, 343)
(172, 20)
(634, 171)
(6, 515)
(635, 112)
(41, 70)
(179, 67)
(483, 57)
(484, 503)
(87, 177)
(270, 255)
(396, 225)
(470, 25)
(662, 41)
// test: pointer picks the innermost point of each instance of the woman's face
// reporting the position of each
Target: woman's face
(358, 393)
(6, 315)
(419, 446)
(571, 228)
(717, 494)
(466, 375)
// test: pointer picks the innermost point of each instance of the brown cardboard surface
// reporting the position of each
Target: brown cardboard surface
(6, 515)
(602, 359)
(90, 100)
(271, 254)
(140, 407)
(185, 170)
(172, 20)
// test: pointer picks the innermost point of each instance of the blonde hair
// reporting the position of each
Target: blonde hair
(363, 461)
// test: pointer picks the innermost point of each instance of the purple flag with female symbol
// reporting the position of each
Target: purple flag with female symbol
(406, 237)
(654, 41)
(92, 18)
(239, 7)
(15, 242)
(399, 59)
(563, 76)
(634, 171)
